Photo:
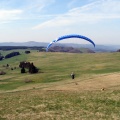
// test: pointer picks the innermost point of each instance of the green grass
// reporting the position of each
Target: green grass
(56, 67)
(55, 105)
(40, 100)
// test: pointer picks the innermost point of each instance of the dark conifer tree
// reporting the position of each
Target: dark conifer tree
(23, 70)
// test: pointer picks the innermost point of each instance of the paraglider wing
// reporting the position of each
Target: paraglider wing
(75, 36)
(50, 44)
(69, 36)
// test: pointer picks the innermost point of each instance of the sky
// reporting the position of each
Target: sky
(46, 20)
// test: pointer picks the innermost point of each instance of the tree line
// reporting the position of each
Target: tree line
(12, 54)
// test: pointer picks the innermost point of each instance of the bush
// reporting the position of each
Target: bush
(12, 54)
(11, 68)
(27, 52)
(1, 57)
(2, 73)
(23, 70)
(30, 66)
(33, 69)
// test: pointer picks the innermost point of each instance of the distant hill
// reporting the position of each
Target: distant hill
(98, 48)
(64, 49)
(70, 49)
(29, 43)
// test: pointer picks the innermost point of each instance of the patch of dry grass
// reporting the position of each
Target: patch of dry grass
(106, 81)
(60, 105)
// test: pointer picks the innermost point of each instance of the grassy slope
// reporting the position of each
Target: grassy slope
(53, 95)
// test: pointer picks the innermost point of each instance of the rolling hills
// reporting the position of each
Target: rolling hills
(98, 47)
(52, 94)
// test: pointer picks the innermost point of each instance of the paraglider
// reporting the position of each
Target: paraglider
(50, 44)
(69, 36)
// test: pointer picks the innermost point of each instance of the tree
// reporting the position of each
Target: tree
(32, 69)
(29, 66)
(23, 70)
(12, 54)
(1, 57)
(27, 52)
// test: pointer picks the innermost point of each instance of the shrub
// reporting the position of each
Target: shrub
(11, 68)
(32, 69)
(2, 73)
(1, 57)
(27, 52)
(23, 70)
(30, 66)
(12, 54)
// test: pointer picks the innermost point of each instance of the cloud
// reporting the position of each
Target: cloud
(100, 7)
(9, 15)
(37, 5)
(72, 3)
(90, 13)
(58, 21)
(22, 9)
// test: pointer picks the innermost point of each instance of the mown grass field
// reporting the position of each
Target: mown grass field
(53, 95)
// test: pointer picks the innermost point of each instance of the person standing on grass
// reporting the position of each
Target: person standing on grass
(72, 75)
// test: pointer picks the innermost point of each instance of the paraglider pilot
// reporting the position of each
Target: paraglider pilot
(72, 75)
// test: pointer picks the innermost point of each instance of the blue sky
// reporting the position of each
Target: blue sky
(45, 20)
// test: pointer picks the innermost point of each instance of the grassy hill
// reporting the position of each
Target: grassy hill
(53, 95)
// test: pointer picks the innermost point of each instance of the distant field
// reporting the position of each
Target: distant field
(53, 95)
